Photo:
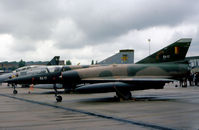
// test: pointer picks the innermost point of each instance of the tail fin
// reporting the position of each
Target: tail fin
(174, 52)
(123, 57)
(54, 61)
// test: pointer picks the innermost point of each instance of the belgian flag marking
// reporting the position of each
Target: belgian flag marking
(176, 50)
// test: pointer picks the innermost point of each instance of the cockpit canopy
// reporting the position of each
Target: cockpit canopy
(33, 70)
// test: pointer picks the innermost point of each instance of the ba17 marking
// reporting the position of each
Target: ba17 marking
(43, 78)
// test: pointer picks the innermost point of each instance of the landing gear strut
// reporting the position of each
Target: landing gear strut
(58, 97)
(14, 91)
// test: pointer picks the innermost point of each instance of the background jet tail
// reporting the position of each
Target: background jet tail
(54, 61)
(172, 53)
(125, 56)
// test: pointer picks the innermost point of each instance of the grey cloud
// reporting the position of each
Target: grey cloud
(66, 34)
(193, 50)
(76, 24)
(23, 45)
(28, 21)
(25, 18)
(98, 21)
(105, 21)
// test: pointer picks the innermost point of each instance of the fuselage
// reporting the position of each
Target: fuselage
(169, 71)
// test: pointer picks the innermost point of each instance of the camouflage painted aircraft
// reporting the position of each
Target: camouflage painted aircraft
(119, 78)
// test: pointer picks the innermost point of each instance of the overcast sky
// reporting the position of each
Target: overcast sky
(82, 30)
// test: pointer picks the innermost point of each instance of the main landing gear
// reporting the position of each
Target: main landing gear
(123, 94)
(14, 91)
(58, 97)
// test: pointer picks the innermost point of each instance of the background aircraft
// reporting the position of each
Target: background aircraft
(55, 61)
(23, 70)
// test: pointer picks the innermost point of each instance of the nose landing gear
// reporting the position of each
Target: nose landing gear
(58, 97)
(14, 91)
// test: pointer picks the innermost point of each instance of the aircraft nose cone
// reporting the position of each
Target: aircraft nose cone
(4, 77)
(10, 81)
(19, 80)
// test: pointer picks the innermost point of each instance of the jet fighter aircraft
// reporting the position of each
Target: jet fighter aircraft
(22, 70)
(119, 78)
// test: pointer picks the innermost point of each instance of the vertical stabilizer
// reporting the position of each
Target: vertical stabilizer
(174, 52)
(54, 61)
(123, 57)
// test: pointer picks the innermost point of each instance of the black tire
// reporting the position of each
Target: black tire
(125, 95)
(59, 98)
(15, 92)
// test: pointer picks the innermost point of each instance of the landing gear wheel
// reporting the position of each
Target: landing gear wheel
(59, 98)
(15, 92)
(125, 95)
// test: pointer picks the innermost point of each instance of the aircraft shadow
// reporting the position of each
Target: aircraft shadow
(134, 99)
(143, 98)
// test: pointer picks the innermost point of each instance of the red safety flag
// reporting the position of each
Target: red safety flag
(31, 87)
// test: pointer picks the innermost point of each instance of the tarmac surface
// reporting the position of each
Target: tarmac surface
(168, 108)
